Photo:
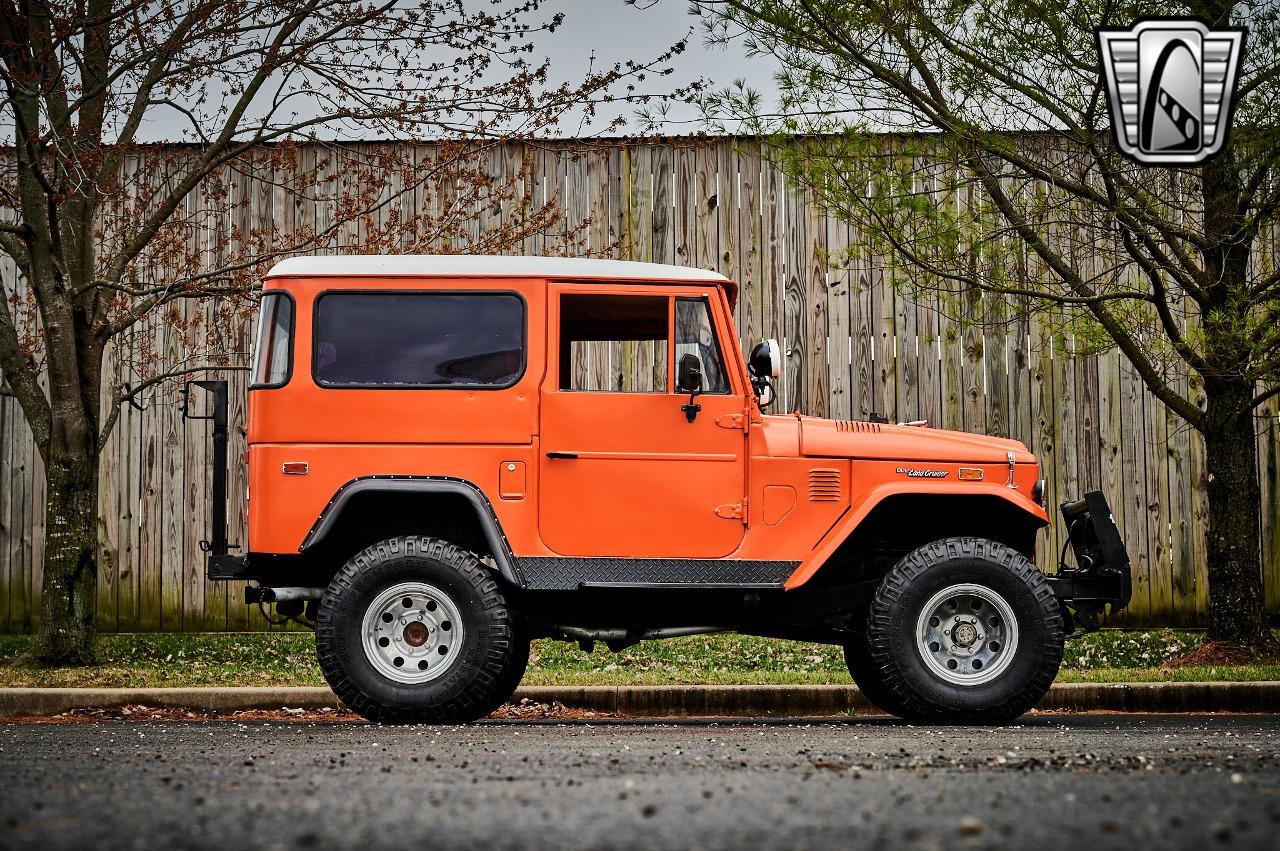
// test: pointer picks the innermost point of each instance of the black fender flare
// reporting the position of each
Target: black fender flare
(508, 567)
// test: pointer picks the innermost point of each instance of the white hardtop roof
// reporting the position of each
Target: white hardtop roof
(483, 266)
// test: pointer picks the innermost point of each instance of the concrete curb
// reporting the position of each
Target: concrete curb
(664, 701)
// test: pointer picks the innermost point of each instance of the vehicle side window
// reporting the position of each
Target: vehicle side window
(273, 348)
(613, 343)
(419, 340)
(696, 334)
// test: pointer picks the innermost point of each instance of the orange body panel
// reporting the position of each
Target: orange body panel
(599, 474)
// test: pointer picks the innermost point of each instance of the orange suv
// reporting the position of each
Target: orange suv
(450, 456)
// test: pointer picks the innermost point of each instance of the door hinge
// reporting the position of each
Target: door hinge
(732, 421)
(736, 511)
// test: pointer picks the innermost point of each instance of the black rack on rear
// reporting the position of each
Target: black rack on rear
(221, 564)
(1101, 575)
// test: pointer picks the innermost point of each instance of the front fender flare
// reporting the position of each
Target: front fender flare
(853, 517)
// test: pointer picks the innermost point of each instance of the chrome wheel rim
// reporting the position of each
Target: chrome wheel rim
(967, 634)
(412, 633)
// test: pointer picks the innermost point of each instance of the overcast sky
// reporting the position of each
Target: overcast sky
(612, 31)
(607, 30)
(617, 32)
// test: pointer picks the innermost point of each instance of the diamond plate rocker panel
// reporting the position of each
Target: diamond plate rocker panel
(569, 574)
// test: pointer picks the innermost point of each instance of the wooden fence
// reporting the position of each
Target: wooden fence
(853, 345)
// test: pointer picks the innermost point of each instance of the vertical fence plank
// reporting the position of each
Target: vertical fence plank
(906, 351)
(1043, 440)
(750, 244)
(774, 225)
(795, 323)
(150, 513)
(886, 334)
(817, 332)
(1065, 419)
(1269, 477)
(107, 520)
(8, 579)
(839, 315)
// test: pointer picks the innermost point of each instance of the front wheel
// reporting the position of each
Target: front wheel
(965, 630)
(415, 629)
(866, 676)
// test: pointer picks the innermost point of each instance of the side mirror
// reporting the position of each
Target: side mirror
(765, 364)
(766, 360)
(689, 375)
(689, 380)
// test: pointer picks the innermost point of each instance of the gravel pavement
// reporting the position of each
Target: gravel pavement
(1052, 781)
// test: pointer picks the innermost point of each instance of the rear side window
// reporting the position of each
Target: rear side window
(273, 351)
(423, 340)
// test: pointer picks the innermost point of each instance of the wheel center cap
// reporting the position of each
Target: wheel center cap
(416, 634)
(965, 634)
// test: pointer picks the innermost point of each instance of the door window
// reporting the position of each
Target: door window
(613, 343)
(696, 335)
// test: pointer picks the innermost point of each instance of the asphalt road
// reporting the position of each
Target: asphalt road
(1089, 782)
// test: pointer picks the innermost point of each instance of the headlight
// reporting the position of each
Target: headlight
(1037, 492)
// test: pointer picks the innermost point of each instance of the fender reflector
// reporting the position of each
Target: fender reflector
(970, 474)
(294, 468)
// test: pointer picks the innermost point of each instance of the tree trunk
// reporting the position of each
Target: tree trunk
(68, 593)
(1236, 605)
(66, 634)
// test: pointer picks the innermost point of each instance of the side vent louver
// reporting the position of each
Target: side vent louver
(824, 485)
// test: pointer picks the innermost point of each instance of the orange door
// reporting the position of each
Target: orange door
(623, 473)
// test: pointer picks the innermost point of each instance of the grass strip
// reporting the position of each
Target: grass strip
(288, 659)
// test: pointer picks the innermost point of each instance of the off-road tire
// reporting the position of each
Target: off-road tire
(477, 681)
(514, 673)
(866, 676)
(922, 695)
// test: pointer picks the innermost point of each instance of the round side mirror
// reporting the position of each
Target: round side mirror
(766, 360)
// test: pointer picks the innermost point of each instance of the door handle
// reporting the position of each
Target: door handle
(569, 455)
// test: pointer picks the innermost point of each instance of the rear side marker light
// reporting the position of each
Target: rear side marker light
(294, 468)
(970, 474)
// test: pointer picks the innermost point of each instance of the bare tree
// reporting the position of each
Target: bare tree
(1002, 178)
(105, 231)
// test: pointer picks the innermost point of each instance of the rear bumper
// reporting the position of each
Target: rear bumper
(1101, 575)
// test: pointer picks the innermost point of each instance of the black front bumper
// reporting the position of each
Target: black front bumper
(1101, 575)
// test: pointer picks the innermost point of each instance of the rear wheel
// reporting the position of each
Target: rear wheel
(514, 673)
(415, 629)
(964, 630)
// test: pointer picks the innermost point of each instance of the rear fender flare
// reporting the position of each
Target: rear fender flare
(328, 520)
(852, 518)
